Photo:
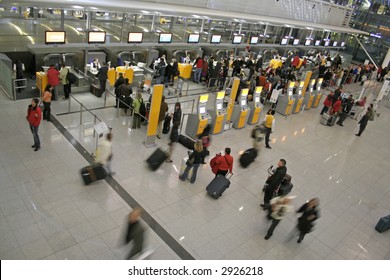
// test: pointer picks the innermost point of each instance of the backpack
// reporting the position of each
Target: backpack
(71, 77)
(142, 108)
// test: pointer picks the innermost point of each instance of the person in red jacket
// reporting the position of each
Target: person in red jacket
(225, 163)
(334, 111)
(34, 116)
(327, 103)
(54, 80)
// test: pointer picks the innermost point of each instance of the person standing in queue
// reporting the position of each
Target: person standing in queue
(225, 163)
(46, 100)
(34, 116)
(64, 81)
(53, 80)
(269, 124)
(273, 183)
(137, 118)
(103, 76)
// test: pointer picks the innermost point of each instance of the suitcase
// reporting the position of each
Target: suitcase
(183, 167)
(156, 159)
(95, 90)
(217, 186)
(186, 142)
(285, 189)
(383, 224)
(327, 119)
(287, 179)
(248, 157)
(166, 124)
(93, 173)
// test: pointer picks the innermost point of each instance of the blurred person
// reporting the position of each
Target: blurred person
(104, 153)
(269, 124)
(53, 80)
(135, 233)
(364, 121)
(64, 80)
(327, 103)
(19, 72)
(361, 103)
(161, 118)
(310, 213)
(205, 137)
(174, 138)
(346, 108)
(280, 206)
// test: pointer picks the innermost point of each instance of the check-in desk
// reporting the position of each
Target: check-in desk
(241, 110)
(198, 121)
(309, 96)
(256, 107)
(298, 99)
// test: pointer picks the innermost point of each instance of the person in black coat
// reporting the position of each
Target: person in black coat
(177, 113)
(273, 183)
(118, 82)
(194, 161)
(102, 76)
(310, 213)
(363, 121)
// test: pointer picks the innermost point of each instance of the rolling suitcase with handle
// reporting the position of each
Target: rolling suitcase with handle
(218, 185)
(93, 173)
(186, 142)
(156, 159)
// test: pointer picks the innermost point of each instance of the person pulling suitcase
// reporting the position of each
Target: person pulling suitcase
(225, 163)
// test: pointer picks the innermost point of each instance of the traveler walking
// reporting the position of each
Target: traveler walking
(310, 213)
(194, 161)
(280, 206)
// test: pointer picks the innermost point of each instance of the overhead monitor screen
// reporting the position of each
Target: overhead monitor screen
(243, 102)
(193, 38)
(219, 106)
(254, 40)
(334, 44)
(296, 42)
(237, 39)
(308, 42)
(342, 44)
(202, 110)
(95, 37)
(326, 43)
(215, 39)
(135, 37)
(257, 99)
(284, 41)
(55, 37)
(317, 43)
(165, 38)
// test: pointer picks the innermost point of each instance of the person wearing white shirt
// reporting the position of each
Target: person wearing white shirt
(104, 153)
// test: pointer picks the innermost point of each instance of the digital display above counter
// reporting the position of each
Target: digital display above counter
(237, 39)
(193, 38)
(55, 37)
(165, 38)
(95, 37)
(135, 37)
(215, 39)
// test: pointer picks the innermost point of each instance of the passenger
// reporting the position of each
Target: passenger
(327, 103)
(176, 71)
(46, 100)
(19, 72)
(137, 118)
(161, 118)
(53, 80)
(174, 138)
(96, 64)
(120, 81)
(125, 90)
(273, 183)
(310, 213)
(104, 153)
(160, 70)
(102, 76)
(205, 137)
(346, 108)
(337, 94)
(363, 122)
(64, 80)
(361, 103)
(198, 65)
(269, 124)
(280, 206)
(135, 233)
(225, 163)
(334, 110)
(176, 117)
(169, 73)
(193, 162)
(34, 116)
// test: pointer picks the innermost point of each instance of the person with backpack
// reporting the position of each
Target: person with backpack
(64, 80)
(137, 118)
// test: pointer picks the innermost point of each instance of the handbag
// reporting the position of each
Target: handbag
(190, 161)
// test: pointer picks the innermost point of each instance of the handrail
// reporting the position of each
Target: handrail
(18, 87)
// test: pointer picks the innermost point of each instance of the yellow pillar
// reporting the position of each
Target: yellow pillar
(232, 99)
(153, 115)
(307, 81)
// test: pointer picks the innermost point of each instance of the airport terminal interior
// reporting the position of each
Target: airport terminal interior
(48, 213)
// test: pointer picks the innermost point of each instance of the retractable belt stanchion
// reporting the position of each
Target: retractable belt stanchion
(153, 115)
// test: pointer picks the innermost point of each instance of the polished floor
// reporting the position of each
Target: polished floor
(47, 213)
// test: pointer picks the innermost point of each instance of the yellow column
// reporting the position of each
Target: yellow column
(232, 99)
(307, 81)
(153, 115)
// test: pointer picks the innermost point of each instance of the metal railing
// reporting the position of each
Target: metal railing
(16, 81)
